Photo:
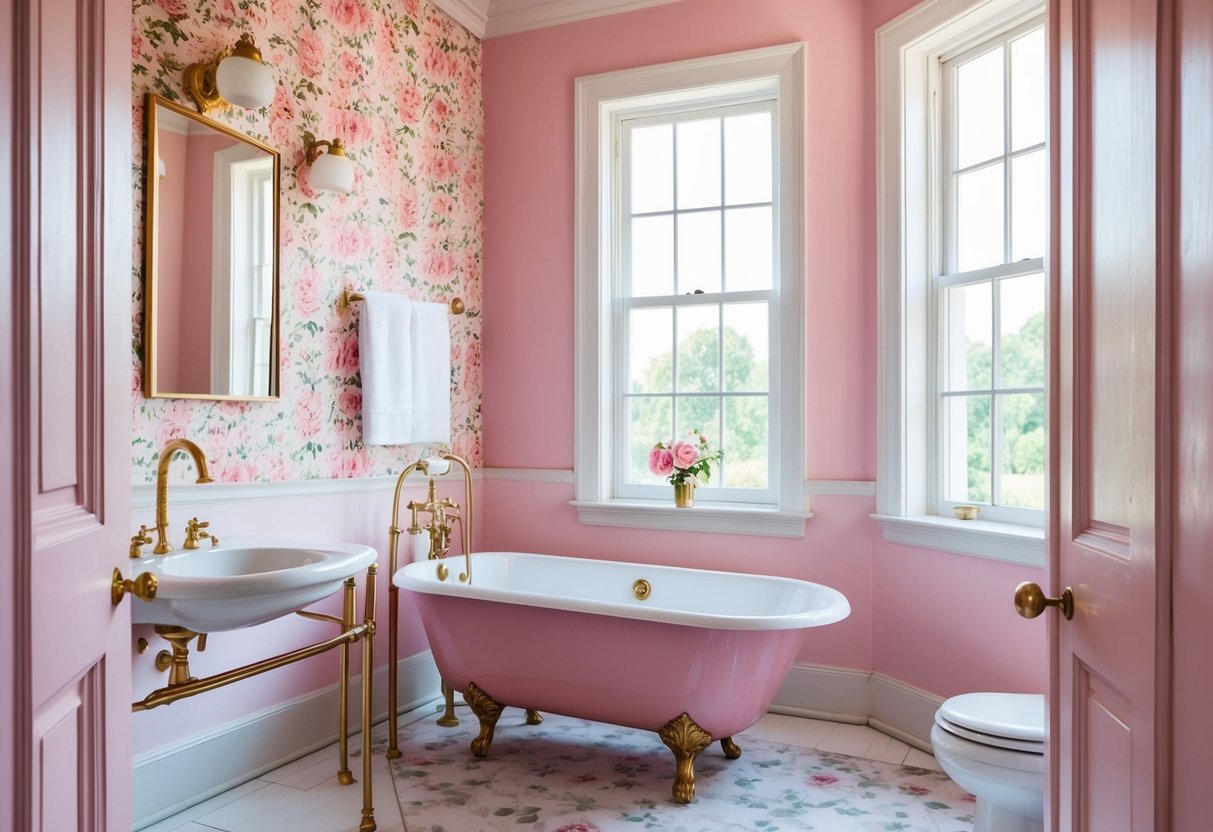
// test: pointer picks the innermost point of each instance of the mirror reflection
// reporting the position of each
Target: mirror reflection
(211, 290)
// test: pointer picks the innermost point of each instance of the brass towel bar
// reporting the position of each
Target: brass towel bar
(348, 297)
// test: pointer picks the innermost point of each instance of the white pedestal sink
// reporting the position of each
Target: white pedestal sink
(243, 581)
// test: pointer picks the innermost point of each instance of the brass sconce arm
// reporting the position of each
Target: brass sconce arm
(312, 148)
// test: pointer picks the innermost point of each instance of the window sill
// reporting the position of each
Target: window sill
(704, 517)
(997, 541)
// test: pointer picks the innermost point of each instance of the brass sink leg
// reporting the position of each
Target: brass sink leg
(533, 717)
(686, 739)
(178, 664)
(488, 712)
(344, 776)
(368, 670)
(731, 749)
(448, 718)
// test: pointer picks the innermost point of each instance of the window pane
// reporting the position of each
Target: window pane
(652, 256)
(699, 164)
(1022, 478)
(653, 168)
(748, 241)
(699, 349)
(966, 449)
(979, 218)
(700, 414)
(1021, 312)
(746, 347)
(747, 159)
(699, 251)
(979, 109)
(650, 420)
(1028, 185)
(1028, 90)
(969, 322)
(745, 442)
(650, 350)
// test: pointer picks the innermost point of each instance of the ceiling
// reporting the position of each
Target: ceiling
(493, 18)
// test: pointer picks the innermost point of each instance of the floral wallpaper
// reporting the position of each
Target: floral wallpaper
(399, 82)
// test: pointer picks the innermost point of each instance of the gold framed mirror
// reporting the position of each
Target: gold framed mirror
(211, 295)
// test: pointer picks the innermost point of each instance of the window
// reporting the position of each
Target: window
(962, 186)
(689, 289)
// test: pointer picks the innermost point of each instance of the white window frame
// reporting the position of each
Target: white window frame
(909, 207)
(601, 102)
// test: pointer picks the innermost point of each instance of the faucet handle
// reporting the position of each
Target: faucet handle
(140, 539)
(194, 533)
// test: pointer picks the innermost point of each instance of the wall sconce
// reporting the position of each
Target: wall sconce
(331, 170)
(236, 75)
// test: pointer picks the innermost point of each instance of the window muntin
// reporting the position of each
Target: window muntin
(989, 290)
(696, 295)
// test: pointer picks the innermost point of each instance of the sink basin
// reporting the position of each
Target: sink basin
(243, 581)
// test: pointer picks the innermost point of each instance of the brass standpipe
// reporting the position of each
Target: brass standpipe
(166, 457)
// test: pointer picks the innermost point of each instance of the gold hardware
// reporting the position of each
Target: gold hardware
(312, 148)
(194, 533)
(166, 457)
(347, 298)
(533, 717)
(140, 539)
(731, 749)
(448, 718)
(199, 78)
(164, 660)
(141, 645)
(966, 512)
(488, 712)
(1031, 601)
(686, 739)
(642, 589)
(142, 587)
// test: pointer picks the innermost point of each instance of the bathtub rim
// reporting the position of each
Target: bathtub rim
(418, 577)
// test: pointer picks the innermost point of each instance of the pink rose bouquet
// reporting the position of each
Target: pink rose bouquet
(684, 460)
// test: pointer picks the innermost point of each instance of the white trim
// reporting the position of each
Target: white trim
(731, 518)
(600, 99)
(171, 779)
(472, 14)
(562, 475)
(905, 48)
(841, 488)
(144, 495)
(995, 541)
(509, 16)
(859, 697)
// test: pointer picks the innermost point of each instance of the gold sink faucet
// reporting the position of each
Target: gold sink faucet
(166, 457)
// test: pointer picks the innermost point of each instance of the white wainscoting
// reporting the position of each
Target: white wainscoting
(170, 780)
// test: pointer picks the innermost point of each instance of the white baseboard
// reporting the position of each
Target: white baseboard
(170, 780)
(857, 696)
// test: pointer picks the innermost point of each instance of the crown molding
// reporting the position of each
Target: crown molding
(474, 14)
(507, 17)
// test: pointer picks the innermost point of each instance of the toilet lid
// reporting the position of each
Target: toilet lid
(1004, 720)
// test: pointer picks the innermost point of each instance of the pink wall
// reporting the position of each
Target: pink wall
(904, 622)
(170, 243)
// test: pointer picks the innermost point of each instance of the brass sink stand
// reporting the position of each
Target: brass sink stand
(182, 684)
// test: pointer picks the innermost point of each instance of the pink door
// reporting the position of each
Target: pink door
(1111, 383)
(65, 387)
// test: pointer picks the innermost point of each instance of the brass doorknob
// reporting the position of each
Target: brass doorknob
(143, 587)
(1031, 601)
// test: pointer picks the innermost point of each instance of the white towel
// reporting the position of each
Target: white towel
(403, 352)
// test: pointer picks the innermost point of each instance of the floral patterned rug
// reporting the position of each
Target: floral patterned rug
(570, 775)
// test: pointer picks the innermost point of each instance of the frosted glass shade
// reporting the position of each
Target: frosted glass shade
(332, 172)
(245, 82)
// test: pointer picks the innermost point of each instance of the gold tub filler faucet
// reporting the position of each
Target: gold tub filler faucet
(438, 526)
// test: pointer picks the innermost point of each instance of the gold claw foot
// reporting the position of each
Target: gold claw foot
(731, 749)
(345, 777)
(448, 718)
(368, 821)
(533, 717)
(686, 739)
(488, 712)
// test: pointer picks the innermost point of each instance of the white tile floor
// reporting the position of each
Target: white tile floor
(304, 796)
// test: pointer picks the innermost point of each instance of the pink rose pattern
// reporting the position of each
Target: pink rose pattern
(399, 81)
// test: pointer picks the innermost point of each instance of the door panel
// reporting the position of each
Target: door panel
(1111, 390)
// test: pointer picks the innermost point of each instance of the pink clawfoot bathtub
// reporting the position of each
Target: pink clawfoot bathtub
(694, 655)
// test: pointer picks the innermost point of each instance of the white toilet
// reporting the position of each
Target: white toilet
(992, 744)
